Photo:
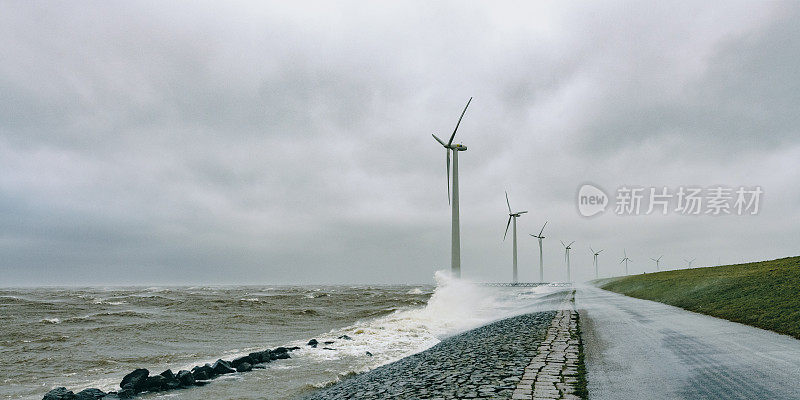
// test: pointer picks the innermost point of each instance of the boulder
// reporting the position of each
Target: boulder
(155, 383)
(244, 367)
(59, 393)
(185, 378)
(222, 367)
(203, 373)
(345, 337)
(126, 393)
(259, 366)
(312, 343)
(168, 374)
(328, 348)
(328, 342)
(135, 379)
(172, 384)
(293, 348)
(369, 354)
(241, 360)
(279, 356)
(257, 357)
(90, 394)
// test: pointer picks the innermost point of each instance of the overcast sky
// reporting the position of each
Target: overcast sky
(290, 142)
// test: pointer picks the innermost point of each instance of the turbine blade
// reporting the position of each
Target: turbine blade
(459, 122)
(438, 140)
(600, 251)
(507, 203)
(448, 175)
(562, 243)
(507, 225)
(591, 249)
(522, 212)
(571, 243)
(540, 232)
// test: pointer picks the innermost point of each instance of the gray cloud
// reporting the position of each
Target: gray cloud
(267, 142)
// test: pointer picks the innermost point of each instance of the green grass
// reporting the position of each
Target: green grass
(765, 294)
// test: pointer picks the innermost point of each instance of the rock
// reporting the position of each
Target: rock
(205, 372)
(327, 348)
(126, 393)
(280, 356)
(293, 348)
(345, 337)
(241, 360)
(258, 357)
(244, 367)
(136, 379)
(59, 393)
(168, 374)
(90, 394)
(222, 367)
(312, 343)
(155, 383)
(172, 384)
(259, 366)
(185, 377)
(369, 354)
(328, 342)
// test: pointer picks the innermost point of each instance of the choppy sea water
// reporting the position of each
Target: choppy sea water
(92, 337)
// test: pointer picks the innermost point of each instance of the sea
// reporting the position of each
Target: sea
(93, 336)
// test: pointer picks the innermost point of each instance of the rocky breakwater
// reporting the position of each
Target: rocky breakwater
(140, 380)
(487, 362)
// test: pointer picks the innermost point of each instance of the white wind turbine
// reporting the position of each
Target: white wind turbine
(455, 260)
(595, 254)
(541, 265)
(658, 261)
(513, 215)
(567, 248)
(625, 260)
(689, 262)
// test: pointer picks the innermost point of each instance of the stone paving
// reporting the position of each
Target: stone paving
(490, 362)
(486, 362)
(553, 372)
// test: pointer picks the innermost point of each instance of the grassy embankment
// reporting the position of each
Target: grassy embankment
(765, 294)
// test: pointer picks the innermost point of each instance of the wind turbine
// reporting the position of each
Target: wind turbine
(689, 262)
(595, 254)
(567, 248)
(455, 260)
(625, 260)
(541, 265)
(513, 215)
(657, 260)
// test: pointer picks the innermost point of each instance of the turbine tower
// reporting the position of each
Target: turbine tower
(455, 260)
(595, 254)
(513, 215)
(541, 265)
(567, 248)
(625, 260)
(689, 262)
(658, 261)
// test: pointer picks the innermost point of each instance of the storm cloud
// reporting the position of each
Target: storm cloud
(269, 142)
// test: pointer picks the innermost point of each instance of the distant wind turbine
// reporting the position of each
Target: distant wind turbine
(455, 260)
(625, 260)
(689, 262)
(567, 248)
(595, 254)
(657, 260)
(541, 265)
(513, 215)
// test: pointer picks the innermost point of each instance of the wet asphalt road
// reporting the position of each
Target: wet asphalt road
(639, 349)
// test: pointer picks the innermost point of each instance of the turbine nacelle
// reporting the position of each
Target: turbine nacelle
(450, 146)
